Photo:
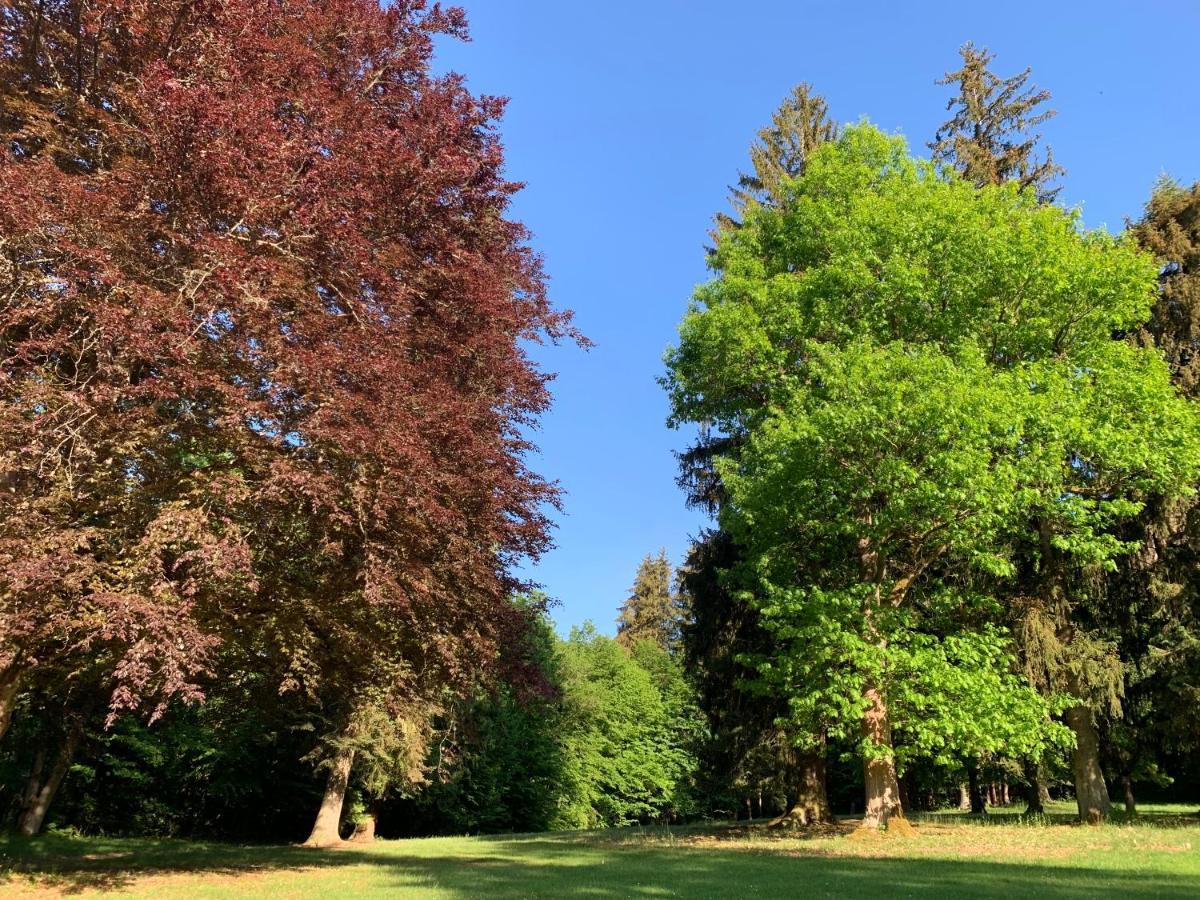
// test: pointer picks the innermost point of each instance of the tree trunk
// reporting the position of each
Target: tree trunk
(326, 830)
(364, 831)
(975, 794)
(39, 796)
(964, 797)
(1130, 801)
(879, 766)
(35, 777)
(1032, 787)
(1091, 793)
(10, 683)
(812, 802)
(1035, 789)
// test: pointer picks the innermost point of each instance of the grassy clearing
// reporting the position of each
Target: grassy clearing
(949, 856)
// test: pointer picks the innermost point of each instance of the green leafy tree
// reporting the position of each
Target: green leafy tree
(622, 763)
(499, 764)
(921, 369)
(990, 137)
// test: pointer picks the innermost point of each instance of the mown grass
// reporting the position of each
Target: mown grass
(1157, 855)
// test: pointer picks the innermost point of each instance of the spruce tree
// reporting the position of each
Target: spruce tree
(1152, 607)
(1170, 230)
(747, 750)
(798, 126)
(990, 137)
(651, 611)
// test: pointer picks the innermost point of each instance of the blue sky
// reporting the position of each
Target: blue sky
(628, 120)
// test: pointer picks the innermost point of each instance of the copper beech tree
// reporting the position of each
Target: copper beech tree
(262, 320)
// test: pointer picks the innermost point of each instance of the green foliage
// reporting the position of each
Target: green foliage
(498, 764)
(624, 760)
(919, 368)
(505, 774)
(1150, 608)
(227, 768)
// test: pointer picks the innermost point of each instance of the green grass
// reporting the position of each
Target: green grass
(1157, 855)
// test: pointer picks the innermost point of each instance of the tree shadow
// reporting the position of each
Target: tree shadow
(74, 865)
(721, 874)
(591, 864)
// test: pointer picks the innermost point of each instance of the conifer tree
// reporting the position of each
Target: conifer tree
(1151, 605)
(798, 126)
(651, 611)
(746, 744)
(990, 137)
(1170, 230)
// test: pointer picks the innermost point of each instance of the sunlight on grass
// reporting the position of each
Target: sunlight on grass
(951, 855)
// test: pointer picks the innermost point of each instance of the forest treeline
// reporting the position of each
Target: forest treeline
(264, 415)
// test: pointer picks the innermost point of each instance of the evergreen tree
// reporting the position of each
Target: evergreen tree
(1150, 605)
(1170, 230)
(651, 611)
(990, 138)
(798, 126)
(748, 749)
(747, 753)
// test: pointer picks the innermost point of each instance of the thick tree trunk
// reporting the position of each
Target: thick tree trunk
(1130, 800)
(40, 794)
(326, 830)
(879, 767)
(812, 802)
(34, 784)
(978, 807)
(964, 796)
(1091, 793)
(1034, 805)
(10, 683)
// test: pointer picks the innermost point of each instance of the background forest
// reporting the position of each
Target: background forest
(265, 416)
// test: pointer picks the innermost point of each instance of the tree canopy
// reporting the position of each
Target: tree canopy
(921, 367)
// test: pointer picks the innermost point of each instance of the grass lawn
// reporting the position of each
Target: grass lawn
(948, 856)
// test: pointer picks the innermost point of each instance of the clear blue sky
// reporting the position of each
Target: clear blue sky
(628, 120)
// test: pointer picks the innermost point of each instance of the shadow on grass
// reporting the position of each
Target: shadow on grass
(74, 865)
(584, 864)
